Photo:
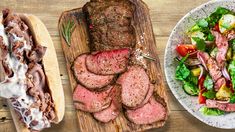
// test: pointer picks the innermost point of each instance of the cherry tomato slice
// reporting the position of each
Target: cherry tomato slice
(202, 89)
(216, 27)
(184, 49)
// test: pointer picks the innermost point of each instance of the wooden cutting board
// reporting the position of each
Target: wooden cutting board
(79, 45)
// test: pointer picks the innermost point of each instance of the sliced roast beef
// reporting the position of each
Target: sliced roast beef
(151, 112)
(221, 105)
(214, 70)
(222, 44)
(114, 109)
(108, 62)
(135, 86)
(36, 54)
(89, 101)
(150, 93)
(88, 79)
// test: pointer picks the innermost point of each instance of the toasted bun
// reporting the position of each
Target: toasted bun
(42, 37)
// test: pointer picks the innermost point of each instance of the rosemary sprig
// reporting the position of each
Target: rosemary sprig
(67, 30)
(148, 57)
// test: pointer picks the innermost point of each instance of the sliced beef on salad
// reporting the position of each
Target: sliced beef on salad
(206, 67)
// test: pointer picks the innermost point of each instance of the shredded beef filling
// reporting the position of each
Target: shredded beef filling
(21, 46)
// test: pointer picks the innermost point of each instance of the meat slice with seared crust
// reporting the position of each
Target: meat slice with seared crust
(135, 86)
(114, 109)
(108, 62)
(88, 79)
(89, 101)
(151, 112)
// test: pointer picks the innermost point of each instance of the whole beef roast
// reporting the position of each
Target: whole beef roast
(89, 101)
(151, 112)
(114, 109)
(88, 79)
(108, 62)
(110, 24)
(135, 86)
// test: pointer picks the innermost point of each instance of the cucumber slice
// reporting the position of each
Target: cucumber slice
(190, 89)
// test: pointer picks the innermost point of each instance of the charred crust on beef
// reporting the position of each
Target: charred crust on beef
(106, 21)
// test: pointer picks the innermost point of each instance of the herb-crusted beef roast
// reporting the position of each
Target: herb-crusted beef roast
(109, 24)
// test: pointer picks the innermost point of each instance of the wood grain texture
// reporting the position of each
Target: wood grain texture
(79, 44)
(164, 15)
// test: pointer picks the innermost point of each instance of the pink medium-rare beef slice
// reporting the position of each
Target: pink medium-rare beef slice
(149, 94)
(114, 109)
(135, 86)
(91, 101)
(108, 62)
(88, 79)
(151, 112)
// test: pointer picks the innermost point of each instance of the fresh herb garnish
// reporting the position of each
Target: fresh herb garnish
(201, 45)
(208, 83)
(67, 30)
(211, 111)
(148, 57)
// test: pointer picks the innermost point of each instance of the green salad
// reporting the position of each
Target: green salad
(206, 65)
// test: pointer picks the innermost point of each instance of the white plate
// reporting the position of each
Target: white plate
(178, 36)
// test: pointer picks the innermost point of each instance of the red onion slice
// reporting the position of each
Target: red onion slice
(203, 62)
(223, 102)
(202, 71)
(190, 61)
(225, 73)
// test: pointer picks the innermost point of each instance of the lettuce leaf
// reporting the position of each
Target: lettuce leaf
(211, 111)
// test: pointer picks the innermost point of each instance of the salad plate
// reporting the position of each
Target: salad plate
(199, 63)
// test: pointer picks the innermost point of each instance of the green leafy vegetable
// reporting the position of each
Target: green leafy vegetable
(208, 83)
(231, 70)
(210, 37)
(214, 17)
(209, 94)
(201, 45)
(211, 111)
(67, 30)
(182, 72)
(202, 23)
(232, 99)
